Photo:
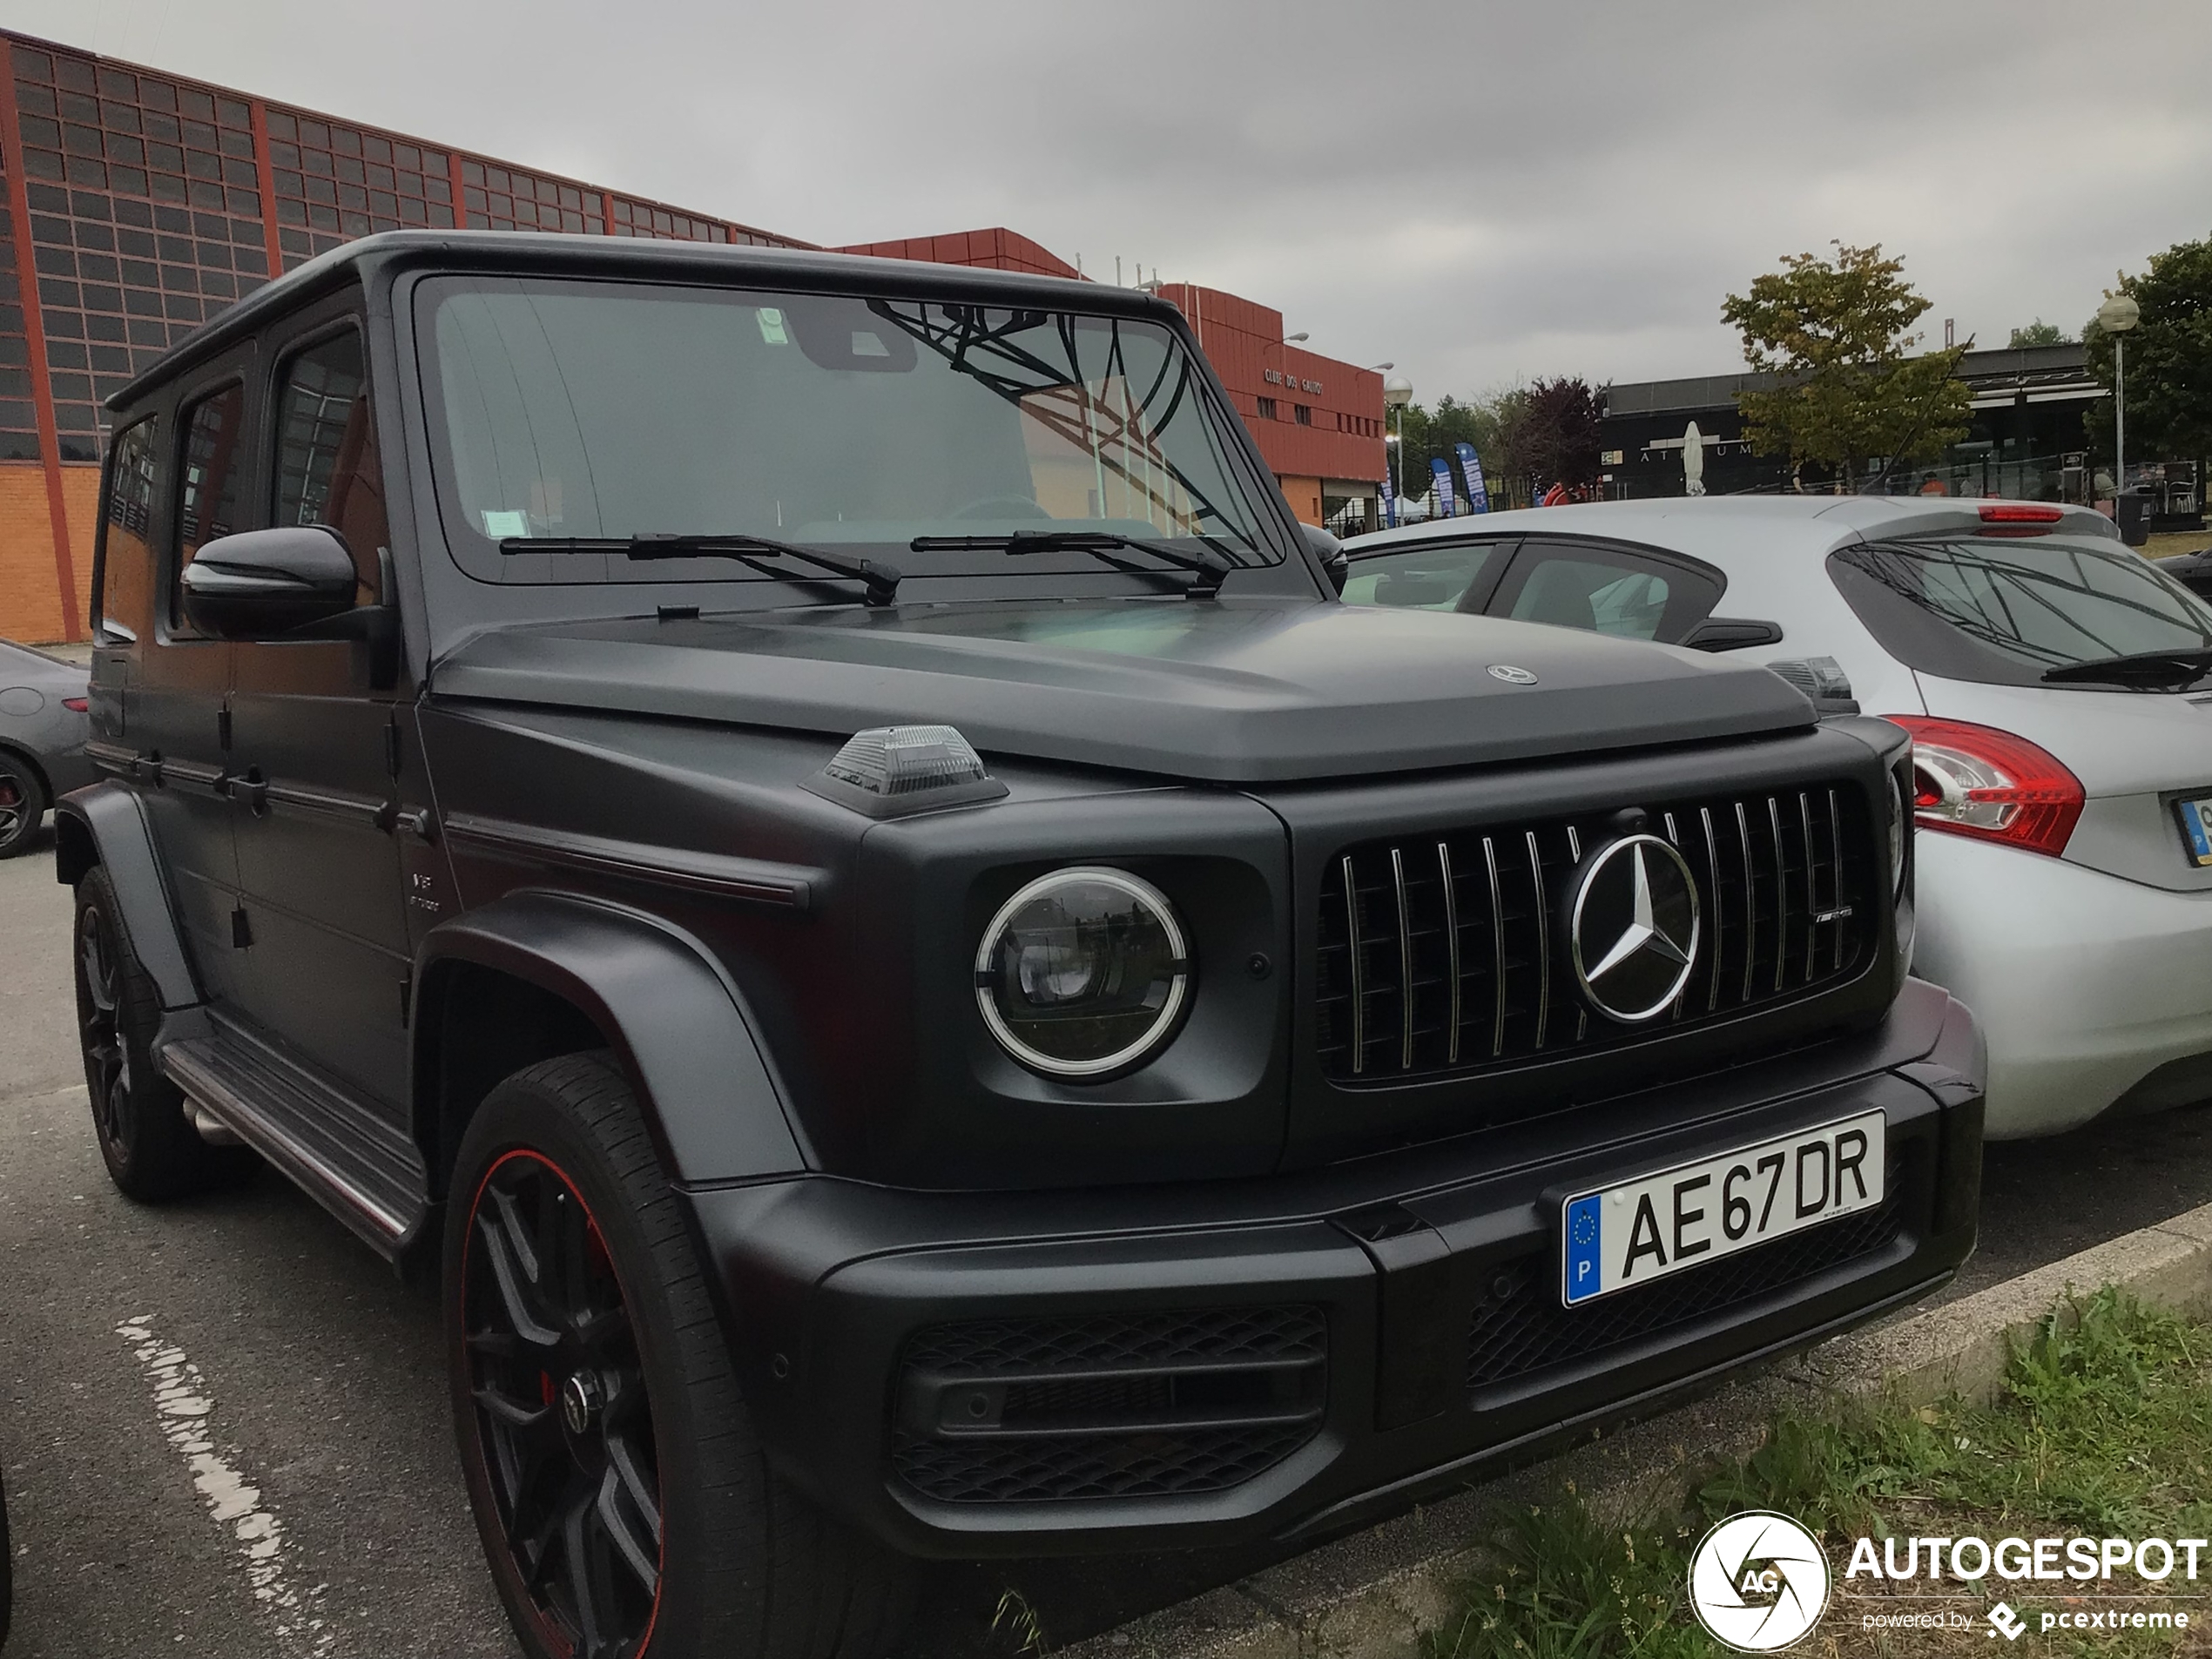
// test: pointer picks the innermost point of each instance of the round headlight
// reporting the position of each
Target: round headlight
(1083, 972)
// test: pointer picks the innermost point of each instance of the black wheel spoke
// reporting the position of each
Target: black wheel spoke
(514, 1413)
(508, 1275)
(631, 1512)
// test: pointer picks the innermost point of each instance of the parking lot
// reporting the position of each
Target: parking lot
(297, 1493)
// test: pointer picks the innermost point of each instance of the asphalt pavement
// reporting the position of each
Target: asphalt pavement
(224, 1422)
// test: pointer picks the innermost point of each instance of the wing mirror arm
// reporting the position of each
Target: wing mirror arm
(376, 625)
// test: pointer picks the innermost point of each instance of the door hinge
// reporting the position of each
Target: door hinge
(241, 931)
(392, 748)
(407, 998)
(223, 728)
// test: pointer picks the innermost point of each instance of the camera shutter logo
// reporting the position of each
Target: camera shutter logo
(1758, 1582)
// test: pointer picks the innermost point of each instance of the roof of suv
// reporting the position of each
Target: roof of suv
(541, 252)
(1800, 524)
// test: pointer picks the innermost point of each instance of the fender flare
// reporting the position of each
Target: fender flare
(675, 1022)
(105, 824)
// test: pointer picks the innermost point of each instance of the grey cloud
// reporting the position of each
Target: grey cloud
(1478, 192)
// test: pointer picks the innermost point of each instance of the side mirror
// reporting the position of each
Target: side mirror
(1330, 552)
(260, 583)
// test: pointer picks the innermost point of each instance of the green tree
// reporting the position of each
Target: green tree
(1484, 421)
(2169, 358)
(2039, 333)
(1835, 336)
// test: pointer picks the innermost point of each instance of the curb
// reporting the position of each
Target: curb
(1372, 1595)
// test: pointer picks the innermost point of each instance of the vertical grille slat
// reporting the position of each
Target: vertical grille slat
(1497, 947)
(1543, 938)
(1451, 952)
(1405, 959)
(1786, 908)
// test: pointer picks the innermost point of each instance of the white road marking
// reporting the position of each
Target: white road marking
(183, 1406)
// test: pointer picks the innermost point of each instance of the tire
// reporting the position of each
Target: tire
(23, 804)
(594, 1392)
(151, 1150)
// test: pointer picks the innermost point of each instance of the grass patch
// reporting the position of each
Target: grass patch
(2103, 1428)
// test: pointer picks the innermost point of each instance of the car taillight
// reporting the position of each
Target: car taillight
(77, 704)
(2015, 512)
(1976, 780)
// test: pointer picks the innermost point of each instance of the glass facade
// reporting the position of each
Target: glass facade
(134, 206)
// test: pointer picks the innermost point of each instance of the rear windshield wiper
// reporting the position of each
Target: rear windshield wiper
(2140, 668)
(881, 581)
(1209, 563)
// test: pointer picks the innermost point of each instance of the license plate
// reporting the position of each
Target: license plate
(2196, 828)
(1619, 1238)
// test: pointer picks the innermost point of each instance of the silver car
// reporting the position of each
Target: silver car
(2059, 689)
(43, 728)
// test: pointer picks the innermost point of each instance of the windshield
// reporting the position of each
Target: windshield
(2007, 612)
(570, 410)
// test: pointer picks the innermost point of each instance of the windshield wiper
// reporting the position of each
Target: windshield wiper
(882, 582)
(2139, 668)
(1209, 564)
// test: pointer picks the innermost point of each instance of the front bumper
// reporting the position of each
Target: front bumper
(1023, 1374)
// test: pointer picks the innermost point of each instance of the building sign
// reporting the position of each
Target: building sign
(1276, 377)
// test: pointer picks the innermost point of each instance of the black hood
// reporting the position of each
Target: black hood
(1230, 691)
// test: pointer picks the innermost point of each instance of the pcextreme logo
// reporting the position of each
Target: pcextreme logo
(1758, 1582)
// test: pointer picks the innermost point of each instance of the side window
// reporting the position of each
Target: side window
(124, 558)
(1435, 576)
(327, 470)
(1600, 590)
(208, 481)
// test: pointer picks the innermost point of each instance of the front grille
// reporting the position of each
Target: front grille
(1447, 953)
(1120, 1405)
(1521, 1326)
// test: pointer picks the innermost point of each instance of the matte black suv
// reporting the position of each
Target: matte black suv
(815, 829)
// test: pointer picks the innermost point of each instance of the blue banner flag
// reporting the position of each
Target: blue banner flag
(1445, 509)
(1387, 497)
(1471, 464)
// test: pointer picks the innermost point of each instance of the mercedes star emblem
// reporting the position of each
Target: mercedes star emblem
(1634, 928)
(1511, 675)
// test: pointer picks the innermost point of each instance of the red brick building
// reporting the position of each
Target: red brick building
(135, 204)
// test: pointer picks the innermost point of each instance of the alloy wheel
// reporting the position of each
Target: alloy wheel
(15, 802)
(562, 1420)
(107, 1055)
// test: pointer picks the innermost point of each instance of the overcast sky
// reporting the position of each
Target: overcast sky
(1482, 194)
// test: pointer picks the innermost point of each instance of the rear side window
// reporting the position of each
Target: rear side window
(1603, 589)
(2005, 611)
(124, 558)
(208, 485)
(1435, 576)
(327, 470)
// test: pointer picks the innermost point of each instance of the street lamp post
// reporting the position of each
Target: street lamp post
(1398, 392)
(2116, 316)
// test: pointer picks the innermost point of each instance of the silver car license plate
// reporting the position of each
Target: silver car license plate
(1619, 1238)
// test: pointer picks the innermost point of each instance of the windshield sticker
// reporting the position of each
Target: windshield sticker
(868, 345)
(506, 523)
(771, 325)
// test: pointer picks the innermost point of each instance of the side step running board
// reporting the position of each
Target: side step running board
(354, 1167)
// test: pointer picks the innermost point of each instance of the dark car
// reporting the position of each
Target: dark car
(42, 727)
(2192, 570)
(814, 829)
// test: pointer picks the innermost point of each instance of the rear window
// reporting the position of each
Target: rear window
(2004, 611)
